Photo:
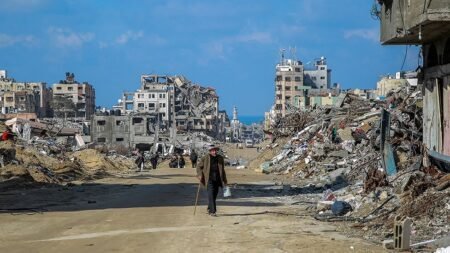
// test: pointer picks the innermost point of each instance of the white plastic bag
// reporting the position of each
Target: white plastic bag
(226, 192)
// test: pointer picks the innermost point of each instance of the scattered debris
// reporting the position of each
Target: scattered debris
(368, 158)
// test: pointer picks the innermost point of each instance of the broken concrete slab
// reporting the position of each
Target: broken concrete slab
(339, 154)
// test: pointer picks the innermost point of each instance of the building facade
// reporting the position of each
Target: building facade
(23, 97)
(124, 130)
(289, 88)
(81, 94)
(318, 77)
(297, 87)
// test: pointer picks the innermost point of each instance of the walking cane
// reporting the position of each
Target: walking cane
(196, 199)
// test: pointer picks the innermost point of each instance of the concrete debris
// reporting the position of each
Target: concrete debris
(49, 160)
(443, 250)
(370, 172)
(388, 244)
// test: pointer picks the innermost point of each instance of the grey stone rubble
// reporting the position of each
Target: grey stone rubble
(336, 155)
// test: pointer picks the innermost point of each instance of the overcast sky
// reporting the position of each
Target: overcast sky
(232, 45)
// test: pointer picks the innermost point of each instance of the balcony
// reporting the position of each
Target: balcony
(414, 22)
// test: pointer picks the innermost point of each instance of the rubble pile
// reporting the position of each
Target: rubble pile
(364, 162)
(43, 161)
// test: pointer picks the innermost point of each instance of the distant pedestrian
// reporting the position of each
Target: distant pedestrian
(193, 156)
(211, 173)
(7, 135)
(154, 160)
(173, 161)
(181, 161)
(140, 160)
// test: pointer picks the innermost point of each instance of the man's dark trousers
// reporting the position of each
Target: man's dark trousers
(213, 190)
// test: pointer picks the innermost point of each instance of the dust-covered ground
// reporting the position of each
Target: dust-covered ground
(153, 211)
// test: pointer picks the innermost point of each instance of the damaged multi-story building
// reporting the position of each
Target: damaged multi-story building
(172, 106)
(318, 76)
(82, 96)
(23, 97)
(298, 86)
(425, 23)
(289, 88)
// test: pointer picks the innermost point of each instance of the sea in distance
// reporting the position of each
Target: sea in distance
(249, 119)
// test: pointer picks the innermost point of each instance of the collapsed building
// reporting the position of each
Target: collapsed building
(163, 108)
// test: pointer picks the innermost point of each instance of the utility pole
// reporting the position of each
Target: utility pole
(156, 140)
(174, 121)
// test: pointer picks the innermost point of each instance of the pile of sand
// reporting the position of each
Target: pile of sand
(92, 160)
(28, 165)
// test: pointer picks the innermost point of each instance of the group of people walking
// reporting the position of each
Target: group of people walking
(140, 160)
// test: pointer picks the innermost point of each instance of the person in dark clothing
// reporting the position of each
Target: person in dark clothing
(193, 158)
(211, 173)
(181, 161)
(154, 160)
(173, 162)
(140, 160)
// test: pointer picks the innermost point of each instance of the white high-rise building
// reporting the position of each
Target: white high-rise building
(319, 77)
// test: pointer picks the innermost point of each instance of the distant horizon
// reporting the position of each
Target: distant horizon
(250, 119)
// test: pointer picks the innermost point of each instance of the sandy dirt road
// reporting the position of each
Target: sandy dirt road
(153, 212)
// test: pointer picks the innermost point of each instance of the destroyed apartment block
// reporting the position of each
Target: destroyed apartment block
(168, 105)
(70, 96)
(127, 130)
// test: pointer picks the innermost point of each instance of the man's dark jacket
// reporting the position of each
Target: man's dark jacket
(203, 168)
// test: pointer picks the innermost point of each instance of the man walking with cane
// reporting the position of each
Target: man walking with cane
(211, 173)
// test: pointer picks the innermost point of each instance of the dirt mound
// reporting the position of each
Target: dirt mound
(29, 165)
(30, 156)
(92, 160)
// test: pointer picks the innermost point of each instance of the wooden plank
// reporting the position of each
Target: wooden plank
(446, 112)
(432, 132)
